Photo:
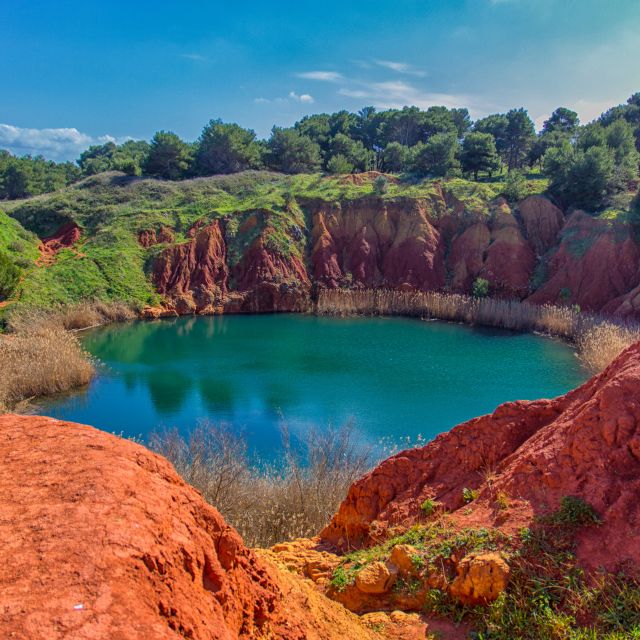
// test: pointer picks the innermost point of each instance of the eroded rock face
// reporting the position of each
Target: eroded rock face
(194, 274)
(373, 242)
(542, 221)
(584, 444)
(429, 243)
(149, 237)
(101, 540)
(64, 238)
(596, 263)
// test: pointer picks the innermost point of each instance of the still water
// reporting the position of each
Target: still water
(394, 377)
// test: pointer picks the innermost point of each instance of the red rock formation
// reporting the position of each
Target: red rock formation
(374, 242)
(597, 262)
(101, 540)
(542, 222)
(273, 282)
(509, 259)
(148, 237)
(495, 250)
(584, 444)
(194, 274)
(64, 238)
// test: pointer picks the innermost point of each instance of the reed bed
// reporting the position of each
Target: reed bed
(39, 355)
(599, 340)
(265, 503)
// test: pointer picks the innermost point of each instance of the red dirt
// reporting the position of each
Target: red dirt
(584, 444)
(64, 238)
(102, 540)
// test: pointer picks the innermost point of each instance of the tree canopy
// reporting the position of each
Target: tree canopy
(587, 165)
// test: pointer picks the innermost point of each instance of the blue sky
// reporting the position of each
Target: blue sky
(75, 73)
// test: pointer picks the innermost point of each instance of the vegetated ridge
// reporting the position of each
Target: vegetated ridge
(257, 242)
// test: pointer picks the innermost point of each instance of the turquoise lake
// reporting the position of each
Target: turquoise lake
(394, 377)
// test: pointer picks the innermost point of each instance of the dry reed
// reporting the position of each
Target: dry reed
(39, 356)
(599, 340)
(41, 359)
(268, 504)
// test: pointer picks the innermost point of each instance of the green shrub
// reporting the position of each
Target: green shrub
(480, 288)
(515, 188)
(380, 185)
(575, 511)
(469, 495)
(428, 506)
(9, 276)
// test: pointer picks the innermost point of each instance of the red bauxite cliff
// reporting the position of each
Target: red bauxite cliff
(585, 444)
(531, 251)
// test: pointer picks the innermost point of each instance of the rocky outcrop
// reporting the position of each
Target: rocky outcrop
(64, 238)
(373, 242)
(101, 539)
(194, 274)
(585, 444)
(149, 237)
(542, 222)
(273, 281)
(429, 243)
(596, 263)
(480, 579)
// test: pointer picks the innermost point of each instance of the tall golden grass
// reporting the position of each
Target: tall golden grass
(599, 340)
(268, 504)
(40, 356)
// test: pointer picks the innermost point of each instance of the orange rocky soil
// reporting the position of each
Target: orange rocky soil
(102, 539)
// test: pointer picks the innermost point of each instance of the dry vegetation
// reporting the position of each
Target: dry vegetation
(39, 354)
(268, 504)
(599, 340)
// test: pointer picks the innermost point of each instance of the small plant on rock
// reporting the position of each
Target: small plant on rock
(480, 288)
(469, 495)
(428, 506)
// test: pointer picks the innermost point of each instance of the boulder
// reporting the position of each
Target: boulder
(480, 579)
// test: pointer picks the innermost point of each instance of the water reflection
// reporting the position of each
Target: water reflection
(394, 376)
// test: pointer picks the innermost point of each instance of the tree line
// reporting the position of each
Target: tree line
(587, 165)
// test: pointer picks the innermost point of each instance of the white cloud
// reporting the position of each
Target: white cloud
(305, 97)
(57, 144)
(401, 67)
(396, 93)
(196, 57)
(323, 76)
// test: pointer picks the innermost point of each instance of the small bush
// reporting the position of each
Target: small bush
(381, 185)
(469, 495)
(515, 188)
(480, 288)
(502, 500)
(576, 512)
(9, 276)
(428, 506)
(266, 504)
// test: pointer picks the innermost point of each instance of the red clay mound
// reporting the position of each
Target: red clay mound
(584, 444)
(101, 539)
(65, 237)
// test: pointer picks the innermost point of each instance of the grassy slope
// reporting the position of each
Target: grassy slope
(109, 264)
